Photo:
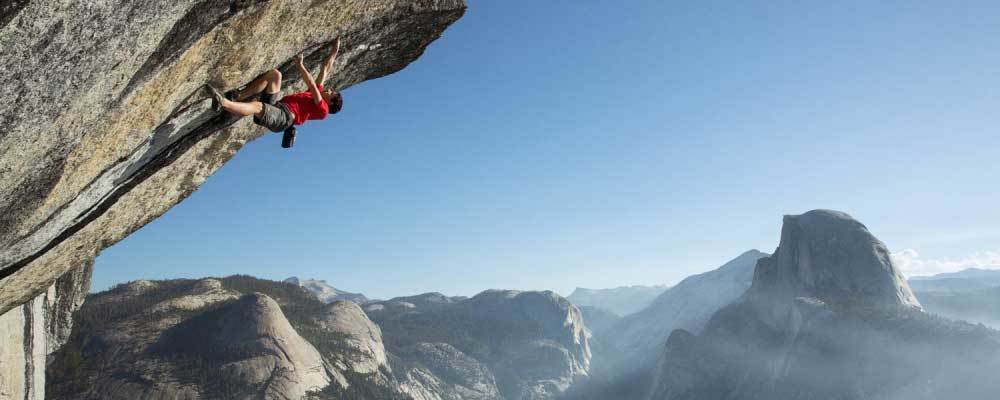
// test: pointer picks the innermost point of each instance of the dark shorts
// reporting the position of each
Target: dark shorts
(276, 116)
(270, 98)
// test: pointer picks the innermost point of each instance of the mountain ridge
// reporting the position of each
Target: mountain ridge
(325, 292)
(827, 316)
(240, 337)
(622, 300)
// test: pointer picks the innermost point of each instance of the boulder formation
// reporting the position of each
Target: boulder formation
(828, 316)
(235, 337)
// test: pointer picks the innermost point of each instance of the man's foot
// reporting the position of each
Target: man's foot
(288, 139)
(217, 97)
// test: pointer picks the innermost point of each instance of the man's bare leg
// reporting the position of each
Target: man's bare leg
(242, 108)
(269, 82)
(239, 108)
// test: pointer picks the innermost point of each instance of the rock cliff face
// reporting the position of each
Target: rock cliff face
(832, 257)
(828, 317)
(598, 320)
(361, 336)
(32, 331)
(104, 126)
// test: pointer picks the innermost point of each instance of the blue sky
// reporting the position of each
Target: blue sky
(555, 144)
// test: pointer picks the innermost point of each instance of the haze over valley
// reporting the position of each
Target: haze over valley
(781, 326)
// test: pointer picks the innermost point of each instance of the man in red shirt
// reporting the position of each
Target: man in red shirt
(279, 115)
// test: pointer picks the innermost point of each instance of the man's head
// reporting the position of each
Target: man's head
(333, 99)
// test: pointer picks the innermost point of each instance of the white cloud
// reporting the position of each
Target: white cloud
(911, 263)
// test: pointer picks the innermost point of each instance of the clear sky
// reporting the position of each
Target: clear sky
(564, 143)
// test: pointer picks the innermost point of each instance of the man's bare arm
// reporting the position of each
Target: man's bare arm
(306, 76)
(328, 63)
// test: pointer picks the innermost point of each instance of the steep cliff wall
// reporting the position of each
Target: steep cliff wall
(103, 124)
(32, 331)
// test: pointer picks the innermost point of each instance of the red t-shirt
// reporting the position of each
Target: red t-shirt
(304, 108)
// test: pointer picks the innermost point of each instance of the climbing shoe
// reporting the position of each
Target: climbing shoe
(288, 140)
(217, 97)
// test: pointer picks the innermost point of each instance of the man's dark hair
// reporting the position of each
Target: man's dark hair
(336, 103)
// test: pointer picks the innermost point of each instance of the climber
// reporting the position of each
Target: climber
(315, 103)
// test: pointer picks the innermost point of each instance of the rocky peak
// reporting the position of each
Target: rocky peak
(326, 292)
(622, 300)
(831, 257)
(554, 316)
(287, 364)
(358, 333)
(430, 299)
(828, 316)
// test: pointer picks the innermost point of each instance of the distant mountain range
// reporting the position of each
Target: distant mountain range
(971, 295)
(598, 320)
(961, 281)
(245, 338)
(499, 344)
(827, 316)
(976, 306)
(992, 275)
(327, 293)
(622, 300)
(688, 305)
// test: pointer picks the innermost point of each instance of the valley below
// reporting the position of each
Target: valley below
(760, 326)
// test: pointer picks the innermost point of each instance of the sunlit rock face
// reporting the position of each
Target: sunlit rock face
(32, 331)
(832, 257)
(105, 126)
(360, 335)
(828, 317)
